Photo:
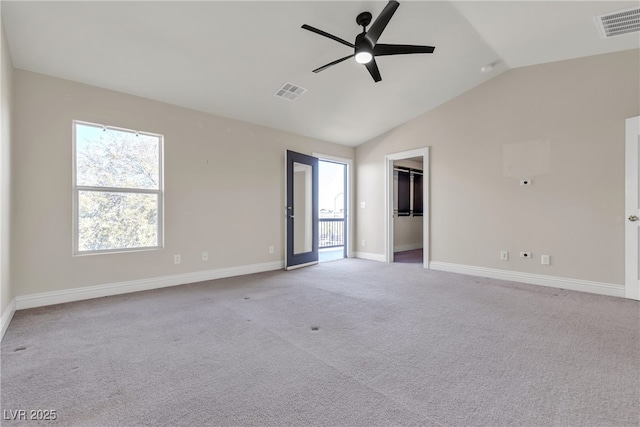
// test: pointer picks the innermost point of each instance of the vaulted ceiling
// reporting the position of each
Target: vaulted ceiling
(229, 58)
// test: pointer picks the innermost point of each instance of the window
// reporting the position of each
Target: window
(117, 180)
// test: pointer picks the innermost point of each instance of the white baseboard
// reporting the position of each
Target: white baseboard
(77, 294)
(370, 256)
(89, 292)
(6, 317)
(532, 279)
(402, 248)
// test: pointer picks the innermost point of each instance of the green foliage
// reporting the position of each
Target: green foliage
(117, 220)
(109, 219)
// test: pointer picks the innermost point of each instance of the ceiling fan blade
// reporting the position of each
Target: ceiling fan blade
(400, 49)
(330, 64)
(381, 22)
(373, 70)
(324, 33)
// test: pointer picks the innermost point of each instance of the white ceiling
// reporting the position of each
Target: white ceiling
(229, 58)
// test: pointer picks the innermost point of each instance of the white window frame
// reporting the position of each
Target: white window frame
(78, 188)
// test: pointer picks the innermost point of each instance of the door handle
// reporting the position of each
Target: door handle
(633, 218)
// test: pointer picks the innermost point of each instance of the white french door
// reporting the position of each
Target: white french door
(632, 209)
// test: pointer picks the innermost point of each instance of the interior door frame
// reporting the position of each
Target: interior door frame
(426, 243)
(350, 191)
(632, 207)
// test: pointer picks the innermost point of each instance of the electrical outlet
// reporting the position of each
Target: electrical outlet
(362, 205)
(526, 254)
(271, 249)
(525, 182)
(363, 243)
(504, 256)
(545, 259)
(177, 259)
(205, 256)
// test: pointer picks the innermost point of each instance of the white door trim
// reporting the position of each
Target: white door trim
(350, 192)
(632, 207)
(388, 166)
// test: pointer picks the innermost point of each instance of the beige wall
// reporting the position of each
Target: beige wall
(575, 209)
(224, 178)
(224, 186)
(6, 68)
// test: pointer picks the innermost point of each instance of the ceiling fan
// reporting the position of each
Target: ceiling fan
(366, 46)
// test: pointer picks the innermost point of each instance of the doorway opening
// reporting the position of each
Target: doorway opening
(408, 210)
(414, 206)
(332, 214)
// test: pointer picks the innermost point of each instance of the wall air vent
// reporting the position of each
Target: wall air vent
(290, 91)
(618, 23)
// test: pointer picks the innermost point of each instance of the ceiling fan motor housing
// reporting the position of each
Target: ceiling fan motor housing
(363, 44)
(363, 19)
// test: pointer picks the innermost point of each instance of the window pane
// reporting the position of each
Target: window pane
(114, 158)
(332, 177)
(111, 220)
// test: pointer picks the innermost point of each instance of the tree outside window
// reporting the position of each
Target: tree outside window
(117, 189)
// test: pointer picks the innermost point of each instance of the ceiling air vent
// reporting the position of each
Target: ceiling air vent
(618, 23)
(290, 91)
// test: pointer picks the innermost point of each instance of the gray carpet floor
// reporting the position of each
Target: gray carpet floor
(348, 342)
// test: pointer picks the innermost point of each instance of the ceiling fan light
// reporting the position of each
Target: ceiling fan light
(363, 57)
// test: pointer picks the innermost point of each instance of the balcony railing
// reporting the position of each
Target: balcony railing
(331, 232)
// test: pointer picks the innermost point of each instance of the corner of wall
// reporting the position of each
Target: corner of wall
(477, 208)
(7, 301)
(7, 315)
